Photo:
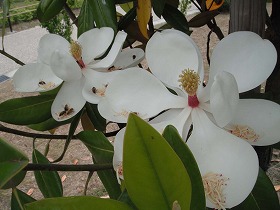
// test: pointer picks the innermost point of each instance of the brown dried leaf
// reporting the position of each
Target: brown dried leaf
(63, 178)
(277, 188)
(75, 161)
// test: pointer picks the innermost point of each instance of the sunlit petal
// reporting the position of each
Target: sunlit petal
(224, 98)
(35, 77)
(147, 98)
(48, 44)
(113, 53)
(129, 58)
(69, 100)
(95, 42)
(96, 84)
(261, 118)
(245, 55)
(65, 66)
(170, 52)
(220, 153)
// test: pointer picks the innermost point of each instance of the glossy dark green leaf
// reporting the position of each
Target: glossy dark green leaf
(77, 203)
(175, 141)
(122, 1)
(175, 18)
(154, 175)
(20, 198)
(15, 181)
(85, 19)
(49, 124)
(203, 18)
(72, 129)
(26, 111)
(102, 152)
(127, 19)
(276, 146)
(12, 161)
(124, 197)
(248, 203)
(47, 9)
(104, 13)
(48, 182)
(97, 120)
(158, 6)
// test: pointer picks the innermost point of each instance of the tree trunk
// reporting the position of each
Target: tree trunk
(250, 15)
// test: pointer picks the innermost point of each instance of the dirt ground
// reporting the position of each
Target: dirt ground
(74, 182)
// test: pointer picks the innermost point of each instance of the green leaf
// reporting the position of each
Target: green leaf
(97, 120)
(77, 203)
(20, 198)
(203, 18)
(5, 9)
(85, 19)
(248, 203)
(175, 18)
(124, 197)
(26, 111)
(15, 181)
(158, 6)
(276, 146)
(102, 152)
(47, 9)
(12, 161)
(127, 19)
(72, 129)
(48, 182)
(175, 141)
(49, 124)
(104, 13)
(154, 175)
(127, 6)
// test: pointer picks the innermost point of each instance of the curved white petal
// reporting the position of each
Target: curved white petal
(137, 90)
(170, 52)
(180, 122)
(220, 153)
(95, 42)
(129, 58)
(65, 66)
(35, 77)
(224, 98)
(113, 53)
(245, 55)
(69, 95)
(262, 116)
(96, 84)
(48, 44)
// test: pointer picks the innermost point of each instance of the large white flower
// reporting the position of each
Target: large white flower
(228, 164)
(79, 65)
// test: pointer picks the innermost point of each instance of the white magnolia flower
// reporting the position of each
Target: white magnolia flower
(79, 65)
(228, 164)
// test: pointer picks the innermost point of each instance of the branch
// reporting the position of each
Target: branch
(44, 136)
(3, 52)
(64, 167)
(71, 14)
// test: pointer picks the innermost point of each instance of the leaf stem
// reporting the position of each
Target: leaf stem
(64, 167)
(71, 14)
(3, 52)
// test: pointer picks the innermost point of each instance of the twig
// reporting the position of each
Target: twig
(43, 136)
(64, 167)
(71, 14)
(3, 52)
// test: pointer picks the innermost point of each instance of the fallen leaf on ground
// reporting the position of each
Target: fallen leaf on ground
(75, 162)
(30, 191)
(277, 188)
(63, 178)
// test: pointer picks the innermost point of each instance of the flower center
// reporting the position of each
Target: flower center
(67, 110)
(99, 91)
(244, 132)
(76, 52)
(214, 185)
(46, 85)
(189, 81)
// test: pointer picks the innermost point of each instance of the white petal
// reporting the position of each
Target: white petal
(28, 78)
(245, 55)
(180, 122)
(224, 98)
(96, 84)
(170, 52)
(48, 44)
(95, 42)
(70, 94)
(218, 152)
(113, 53)
(65, 66)
(137, 90)
(129, 58)
(262, 116)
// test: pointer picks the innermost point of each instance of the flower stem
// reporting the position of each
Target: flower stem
(64, 167)
(3, 52)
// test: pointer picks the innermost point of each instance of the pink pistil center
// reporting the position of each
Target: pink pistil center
(81, 63)
(193, 101)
